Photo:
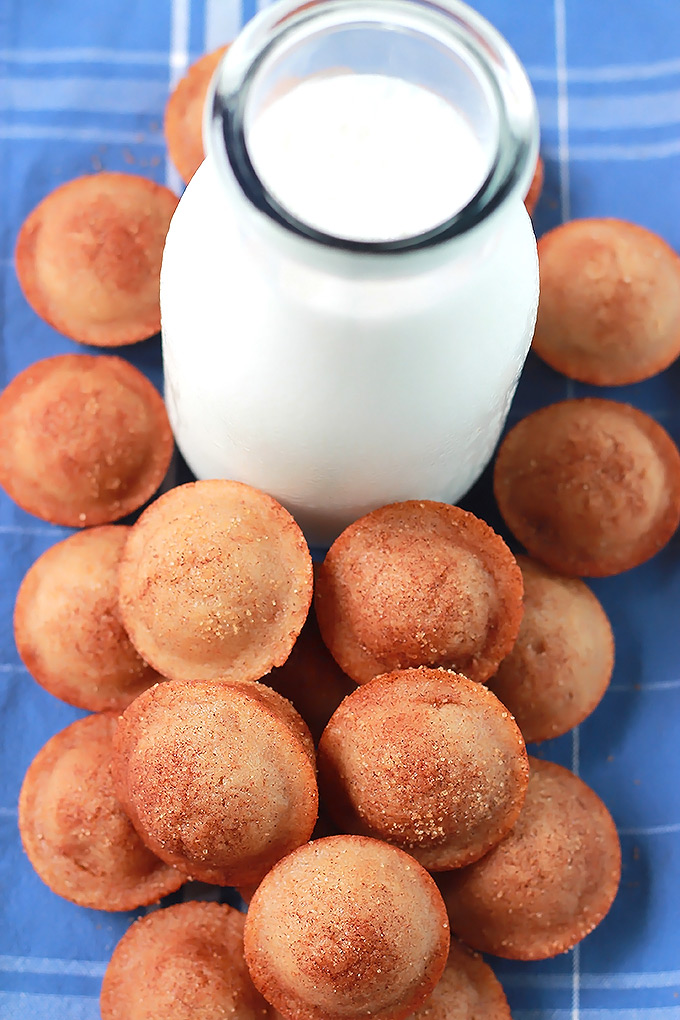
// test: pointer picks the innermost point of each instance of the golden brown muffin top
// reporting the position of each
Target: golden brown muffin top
(609, 309)
(549, 882)
(215, 582)
(67, 625)
(346, 927)
(74, 831)
(468, 990)
(428, 761)
(184, 114)
(84, 439)
(182, 963)
(217, 777)
(419, 583)
(88, 257)
(562, 662)
(590, 487)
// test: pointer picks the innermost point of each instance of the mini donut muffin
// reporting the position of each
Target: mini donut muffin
(75, 832)
(419, 583)
(67, 624)
(562, 662)
(184, 114)
(83, 440)
(550, 881)
(590, 487)
(609, 310)
(88, 257)
(428, 761)
(346, 928)
(467, 990)
(182, 963)
(215, 582)
(218, 778)
(536, 187)
(311, 679)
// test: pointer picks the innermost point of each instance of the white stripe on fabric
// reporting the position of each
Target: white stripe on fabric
(659, 685)
(83, 95)
(178, 64)
(96, 95)
(560, 15)
(591, 981)
(12, 667)
(576, 750)
(33, 1006)
(85, 55)
(576, 953)
(651, 830)
(158, 58)
(576, 982)
(153, 58)
(89, 94)
(27, 529)
(603, 153)
(8, 812)
(609, 72)
(614, 113)
(594, 982)
(562, 106)
(634, 1013)
(179, 40)
(45, 132)
(46, 965)
(222, 22)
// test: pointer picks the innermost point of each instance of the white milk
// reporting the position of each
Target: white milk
(333, 380)
(336, 153)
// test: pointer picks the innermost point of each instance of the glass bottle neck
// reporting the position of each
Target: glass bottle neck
(377, 127)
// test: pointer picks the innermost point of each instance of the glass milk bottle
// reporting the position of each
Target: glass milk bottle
(350, 281)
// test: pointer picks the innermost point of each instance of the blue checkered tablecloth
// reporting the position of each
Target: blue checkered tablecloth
(83, 86)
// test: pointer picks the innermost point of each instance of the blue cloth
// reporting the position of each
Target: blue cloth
(82, 86)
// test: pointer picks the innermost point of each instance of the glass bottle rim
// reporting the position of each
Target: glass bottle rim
(490, 55)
